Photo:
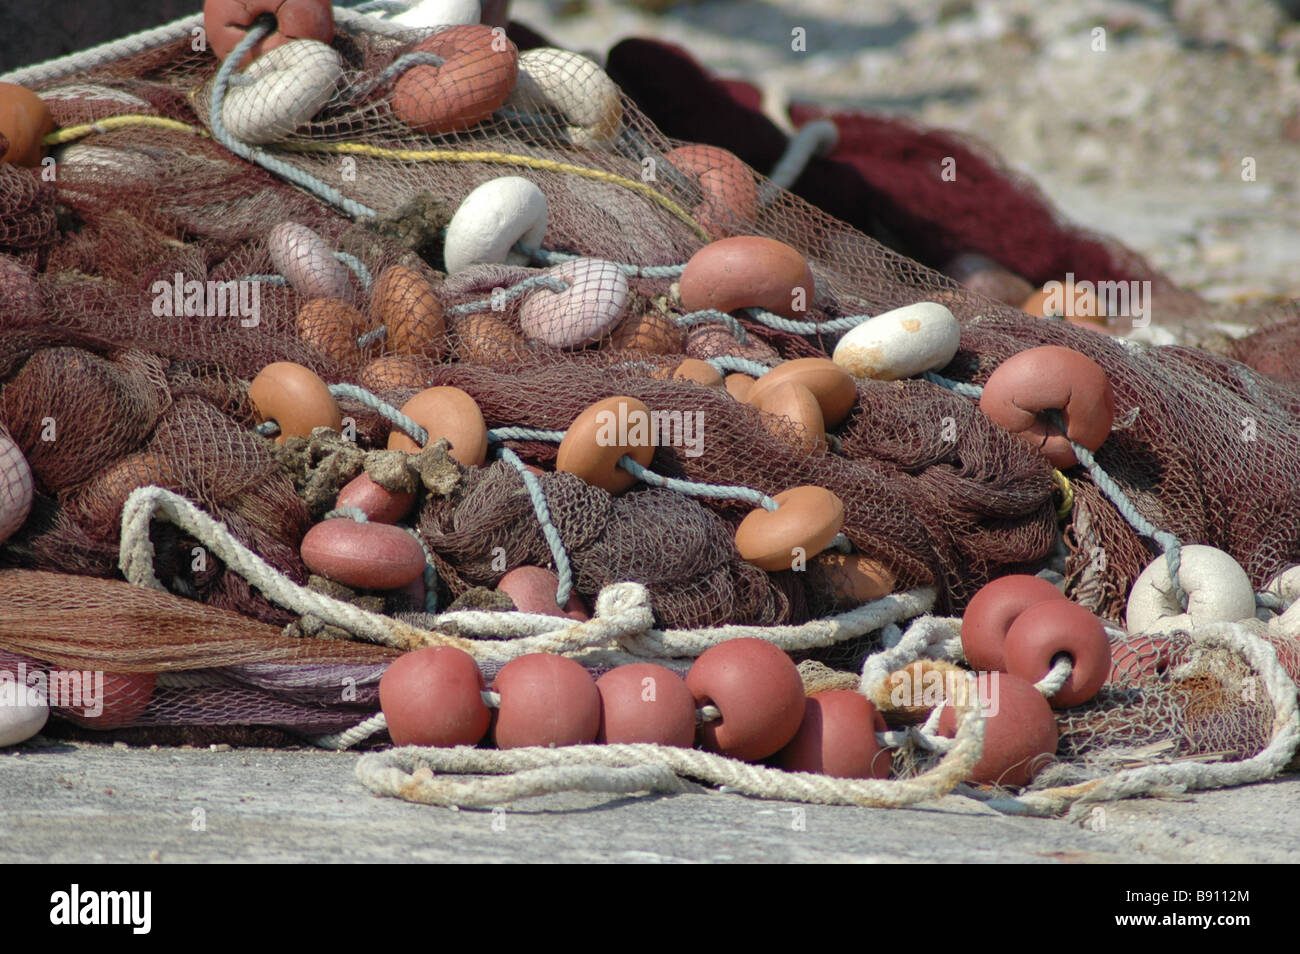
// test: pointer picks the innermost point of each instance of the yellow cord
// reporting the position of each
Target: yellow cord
(1067, 494)
(72, 133)
(452, 155)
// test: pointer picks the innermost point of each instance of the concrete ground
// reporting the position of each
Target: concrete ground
(88, 803)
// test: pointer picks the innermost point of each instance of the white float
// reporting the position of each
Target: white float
(434, 13)
(901, 343)
(492, 220)
(1217, 589)
(572, 85)
(23, 711)
(281, 89)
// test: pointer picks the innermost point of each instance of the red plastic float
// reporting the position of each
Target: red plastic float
(446, 412)
(1050, 629)
(991, 612)
(644, 702)
(532, 589)
(369, 556)
(227, 22)
(122, 698)
(838, 737)
(748, 272)
(757, 689)
(545, 700)
(730, 193)
(1020, 734)
(295, 398)
(1051, 378)
(379, 504)
(833, 387)
(804, 524)
(434, 697)
(24, 121)
(479, 70)
(599, 437)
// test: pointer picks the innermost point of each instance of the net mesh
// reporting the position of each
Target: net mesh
(115, 376)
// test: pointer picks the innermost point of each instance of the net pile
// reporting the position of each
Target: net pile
(111, 384)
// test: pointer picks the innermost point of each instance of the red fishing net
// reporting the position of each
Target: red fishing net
(116, 376)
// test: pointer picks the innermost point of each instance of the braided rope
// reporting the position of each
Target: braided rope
(726, 362)
(618, 633)
(834, 326)
(358, 268)
(563, 570)
(354, 392)
(349, 737)
(708, 315)
(513, 774)
(50, 70)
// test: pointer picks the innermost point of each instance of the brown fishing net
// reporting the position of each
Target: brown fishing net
(112, 381)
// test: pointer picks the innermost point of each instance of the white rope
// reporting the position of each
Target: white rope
(1056, 677)
(350, 737)
(511, 774)
(820, 632)
(50, 70)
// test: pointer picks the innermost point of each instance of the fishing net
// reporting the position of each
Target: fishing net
(116, 378)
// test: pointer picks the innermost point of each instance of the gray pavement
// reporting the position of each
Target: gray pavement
(77, 802)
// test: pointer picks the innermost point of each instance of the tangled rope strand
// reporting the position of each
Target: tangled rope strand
(627, 768)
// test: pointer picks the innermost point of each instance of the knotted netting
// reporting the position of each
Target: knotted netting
(165, 533)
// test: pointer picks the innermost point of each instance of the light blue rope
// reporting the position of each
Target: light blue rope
(693, 489)
(405, 62)
(960, 387)
(359, 394)
(352, 513)
(563, 571)
(549, 257)
(707, 315)
(499, 434)
(373, 335)
(834, 326)
(358, 268)
(267, 428)
(430, 574)
(727, 362)
(297, 176)
(382, 6)
(266, 279)
(507, 294)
